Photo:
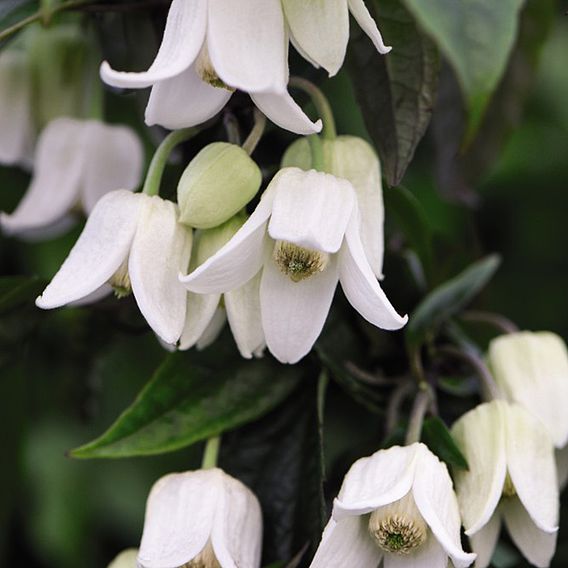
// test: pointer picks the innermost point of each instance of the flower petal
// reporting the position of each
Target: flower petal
(311, 209)
(537, 546)
(429, 555)
(321, 30)
(435, 498)
(360, 284)
(480, 435)
(283, 111)
(160, 249)
(183, 38)
(201, 309)
(213, 330)
(235, 32)
(243, 313)
(126, 559)
(293, 313)
(368, 25)
(531, 465)
(184, 100)
(347, 543)
(484, 541)
(171, 536)
(98, 253)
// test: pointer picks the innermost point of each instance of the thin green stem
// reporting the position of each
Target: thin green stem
(232, 128)
(419, 409)
(211, 453)
(316, 148)
(321, 103)
(160, 159)
(256, 133)
(497, 321)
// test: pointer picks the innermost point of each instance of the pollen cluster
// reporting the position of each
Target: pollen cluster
(508, 487)
(206, 71)
(205, 559)
(120, 281)
(298, 263)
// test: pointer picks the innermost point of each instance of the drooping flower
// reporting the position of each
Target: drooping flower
(76, 163)
(320, 30)
(126, 559)
(511, 478)
(209, 49)
(397, 507)
(201, 519)
(304, 238)
(133, 242)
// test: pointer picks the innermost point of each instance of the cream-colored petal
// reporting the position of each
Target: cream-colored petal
(213, 330)
(484, 541)
(368, 25)
(201, 309)
(126, 559)
(429, 555)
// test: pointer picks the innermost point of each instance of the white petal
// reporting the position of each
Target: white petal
(321, 30)
(126, 559)
(484, 541)
(160, 250)
(184, 100)
(429, 555)
(531, 465)
(378, 480)
(368, 25)
(237, 528)
(360, 284)
(562, 467)
(435, 498)
(311, 209)
(480, 435)
(247, 44)
(347, 543)
(283, 111)
(183, 38)
(102, 292)
(239, 260)
(293, 313)
(200, 311)
(98, 253)
(243, 313)
(213, 330)
(537, 546)
(179, 518)
(60, 160)
(115, 160)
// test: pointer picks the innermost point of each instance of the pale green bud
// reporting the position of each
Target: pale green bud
(209, 241)
(216, 184)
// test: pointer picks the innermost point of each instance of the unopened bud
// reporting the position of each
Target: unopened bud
(209, 241)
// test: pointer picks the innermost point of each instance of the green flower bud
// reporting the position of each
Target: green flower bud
(216, 184)
(209, 241)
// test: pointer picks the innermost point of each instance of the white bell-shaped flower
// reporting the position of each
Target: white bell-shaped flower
(134, 242)
(320, 30)
(532, 369)
(303, 237)
(76, 163)
(396, 507)
(126, 559)
(209, 49)
(204, 519)
(511, 478)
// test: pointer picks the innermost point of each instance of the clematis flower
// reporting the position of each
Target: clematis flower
(76, 163)
(511, 478)
(133, 242)
(303, 237)
(397, 507)
(209, 49)
(320, 30)
(126, 559)
(205, 519)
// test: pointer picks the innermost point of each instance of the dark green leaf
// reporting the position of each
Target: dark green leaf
(449, 299)
(18, 290)
(437, 437)
(396, 92)
(185, 403)
(12, 11)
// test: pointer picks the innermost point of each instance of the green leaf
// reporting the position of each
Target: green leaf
(396, 92)
(449, 299)
(476, 36)
(12, 11)
(437, 437)
(18, 290)
(184, 403)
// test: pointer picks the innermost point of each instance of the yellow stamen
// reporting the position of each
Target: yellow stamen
(205, 559)
(120, 281)
(206, 71)
(508, 487)
(299, 263)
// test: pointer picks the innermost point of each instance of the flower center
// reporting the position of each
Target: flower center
(120, 281)
(205, 559)
(508, 487)
(298, 263)
(206, 71)
(399, 527)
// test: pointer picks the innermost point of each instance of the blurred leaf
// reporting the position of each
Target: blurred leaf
(449, 298)
(437, 437)
(18, 290)
(396, 91)
(476, 36)
(184, 403)
(12, 11)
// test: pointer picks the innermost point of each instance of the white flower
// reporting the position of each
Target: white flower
(76, 163)
(304, 237)
(126, 559)
(396, 506)
(532, 369)
(511, 478)
(133, 242)
(320, 30)
(209, 49)
(201, 519)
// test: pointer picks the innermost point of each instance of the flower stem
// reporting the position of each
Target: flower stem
(421, 404)
(232, 128)
(320, 102)
(497, 321)
(160, 159)
(211, 453)
(316, 148)
(256, 133)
